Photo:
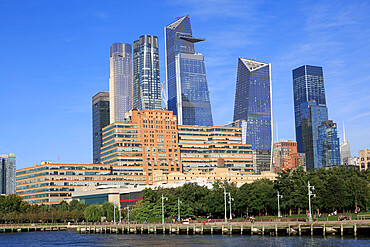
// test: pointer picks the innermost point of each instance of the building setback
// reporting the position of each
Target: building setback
(120, 81)
(285, 156)
(7, 174)
(51, 183)
(308, 85)
(253, 104)
(188, 95)
(100, 119)
(152, 140)
(147, 86)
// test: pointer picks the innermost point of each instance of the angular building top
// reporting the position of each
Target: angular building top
(188, 95)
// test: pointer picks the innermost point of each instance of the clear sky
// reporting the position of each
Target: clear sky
(54, 56)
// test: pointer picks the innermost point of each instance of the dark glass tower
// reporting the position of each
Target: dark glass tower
(253, 104)
(7, 174)
(100, 116)
(188, 95)
(312, 116)
(328, 144)
(308, 84)
(147, 85)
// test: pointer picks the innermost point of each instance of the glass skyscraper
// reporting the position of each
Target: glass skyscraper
(328, 145)
(147, 85)
(188, 95)
(7, 174)
(100, 119)
(120, 81)
(253, 102)
(308, 84)
(253, 105)
(312, 116)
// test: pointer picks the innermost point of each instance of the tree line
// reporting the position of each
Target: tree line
(337, 188)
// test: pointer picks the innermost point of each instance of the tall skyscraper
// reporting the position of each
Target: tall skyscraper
(308, 85)
(147, 84)
(188, 95)
(312, 116)
(120, 81)
(253, 104)
(345, 149)
(328, 145)
(100, 119)
(7, 174)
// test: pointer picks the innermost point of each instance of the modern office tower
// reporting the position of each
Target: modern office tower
(364, 157)
(147, 84)
(188, 95)
(345, 149)
(312, 115)
(51, 183)
(253, 104)
(328, 145)
(308, 85)
(152, 140)
(285, 156)
(100, 119)
(7, 174)
(120, 81)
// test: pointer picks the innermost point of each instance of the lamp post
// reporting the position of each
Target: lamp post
(128, 213)
(279, 196)
(225, 205)
(309, 200)
(163, 198)
(178, 205)
(230, 200)
(120, 215)
(114, 213)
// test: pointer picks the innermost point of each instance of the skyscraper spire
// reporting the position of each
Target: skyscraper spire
(344, 133)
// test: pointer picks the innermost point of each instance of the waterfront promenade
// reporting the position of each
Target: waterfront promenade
(275, 228)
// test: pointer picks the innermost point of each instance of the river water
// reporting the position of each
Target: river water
(71, 238)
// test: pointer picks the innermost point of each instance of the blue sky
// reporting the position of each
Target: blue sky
(55, 57)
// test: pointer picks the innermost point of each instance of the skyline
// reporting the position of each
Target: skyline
(56, 57)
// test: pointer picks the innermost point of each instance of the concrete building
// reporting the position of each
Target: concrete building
(345, 149)
(7, 174)
(285, 156)
(364, 157)
(218, 173)
(50, 183)
(120, 81)
(100, 119)
(151, 140)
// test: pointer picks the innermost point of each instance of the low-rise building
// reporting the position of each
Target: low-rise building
(364, 157)
(51, 183)
(286, 156)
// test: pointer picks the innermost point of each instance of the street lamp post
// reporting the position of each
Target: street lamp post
(225, 205)
(120, 215)
(163, 198)
(178, 204)
(279, 196)
(309, 200)
(128, 213)
(114, 213)
(230, 200)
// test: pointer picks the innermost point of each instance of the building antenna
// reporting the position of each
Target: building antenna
(344, 133)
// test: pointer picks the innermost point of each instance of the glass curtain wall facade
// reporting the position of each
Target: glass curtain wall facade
(312, 115)
(147, 86)
(100, 115)
(188, 95)
(253, 105)
(7, 174)
(308, 85)
(328, 145)
(120, 81)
